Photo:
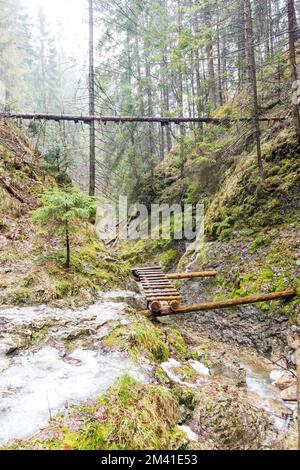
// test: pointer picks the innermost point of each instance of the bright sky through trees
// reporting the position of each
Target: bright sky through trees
(66, 17)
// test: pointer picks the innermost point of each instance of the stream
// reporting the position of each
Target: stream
(41, 374)
(267, 397)
(53, 357)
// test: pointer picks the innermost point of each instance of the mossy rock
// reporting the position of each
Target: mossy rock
(230, 420)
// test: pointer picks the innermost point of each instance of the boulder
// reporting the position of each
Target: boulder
(3, 241)
(226, 366)
(8, 346)
(230, 420)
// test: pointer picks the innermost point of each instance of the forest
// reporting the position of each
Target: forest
(150, 342)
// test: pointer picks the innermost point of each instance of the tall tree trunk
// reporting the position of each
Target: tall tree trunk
(210, 59)
(180, 89)
(220, 85)
(92, 185)
(242, 42)
(270, 27)
(139, 76)
(149, 93)
(253, 81)
(150, 111)
(166, 93)
(293, 63)
(199, 85)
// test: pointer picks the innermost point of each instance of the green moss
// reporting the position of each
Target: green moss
(272, 267)
(202, 351)
(225, 235)
(260, 241)
(161, 376)
(138, 417)
(62, 288)
(165, 252)
(230, 420)
(3, 227)
(187, 399)
(45, 278)
(246, 202)
(22, 295)
(142, 339)
(186, 373)
(168, 258)
(176, 343)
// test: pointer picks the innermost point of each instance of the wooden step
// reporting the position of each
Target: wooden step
(166, 298)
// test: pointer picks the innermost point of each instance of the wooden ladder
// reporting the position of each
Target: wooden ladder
(156, 285)
(158, 288)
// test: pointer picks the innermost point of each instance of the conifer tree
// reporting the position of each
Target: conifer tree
(62, 211)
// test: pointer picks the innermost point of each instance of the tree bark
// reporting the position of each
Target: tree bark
(210, 60)
(92, 184)
(118, 119)
(253, 81)
(242, 42)
(293, 62)
(68, 248)
(191, 275)
(220, 84)
(199, 86)
(149, 91)
(180, 90)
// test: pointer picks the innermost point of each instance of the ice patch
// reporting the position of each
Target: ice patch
(200, 368)
(190, 433)
(276, 375)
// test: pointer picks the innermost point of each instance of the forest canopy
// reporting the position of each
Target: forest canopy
(152, 58)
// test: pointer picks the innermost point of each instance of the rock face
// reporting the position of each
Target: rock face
(229, 368)
(133, 299)
(248, 325)
(229, 420)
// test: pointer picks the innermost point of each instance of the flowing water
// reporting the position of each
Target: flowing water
(38, 380)
(266, 395)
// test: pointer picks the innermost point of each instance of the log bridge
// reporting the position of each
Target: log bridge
(164, 299)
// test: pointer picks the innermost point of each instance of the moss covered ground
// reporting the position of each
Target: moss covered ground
(32, 259)
(142, 339)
